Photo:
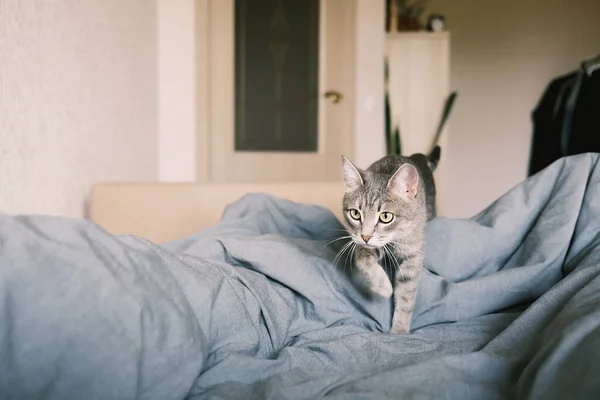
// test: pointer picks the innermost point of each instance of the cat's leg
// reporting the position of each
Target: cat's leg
(406, 283)
(366, 260)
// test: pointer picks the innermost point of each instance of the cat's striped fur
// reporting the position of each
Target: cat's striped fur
(402, 187)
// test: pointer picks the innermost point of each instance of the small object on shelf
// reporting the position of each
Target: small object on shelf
(436, 23)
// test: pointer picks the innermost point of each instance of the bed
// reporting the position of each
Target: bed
(251, 306)
(168, 211)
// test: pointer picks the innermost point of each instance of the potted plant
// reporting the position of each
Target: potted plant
(409, 14)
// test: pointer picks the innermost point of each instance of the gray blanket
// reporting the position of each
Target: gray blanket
(509, 306)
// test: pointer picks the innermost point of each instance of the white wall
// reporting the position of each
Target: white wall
(77, 100)
(503, 54)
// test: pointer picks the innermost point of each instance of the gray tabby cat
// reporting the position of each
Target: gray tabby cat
(386, 209)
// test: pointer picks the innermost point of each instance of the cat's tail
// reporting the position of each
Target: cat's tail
(433, 158)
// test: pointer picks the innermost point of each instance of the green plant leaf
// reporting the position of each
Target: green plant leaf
(445, 114)
(398, 144)
(388, 124)
(386, 70)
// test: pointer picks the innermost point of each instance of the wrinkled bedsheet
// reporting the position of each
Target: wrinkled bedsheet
(508, 308)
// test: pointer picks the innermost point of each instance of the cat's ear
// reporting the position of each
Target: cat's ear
(352, 176)
(405, 182)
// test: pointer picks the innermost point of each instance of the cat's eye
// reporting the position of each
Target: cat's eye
(386, 217)
(354, 214)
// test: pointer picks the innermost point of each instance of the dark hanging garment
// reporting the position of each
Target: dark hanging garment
(585, 129)
(547, 118)
(566, 121)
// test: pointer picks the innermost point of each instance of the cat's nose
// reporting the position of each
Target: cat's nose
(366, 238)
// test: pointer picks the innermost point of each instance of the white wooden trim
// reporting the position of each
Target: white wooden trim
(202, 155)
(369, 120)
(176, 90)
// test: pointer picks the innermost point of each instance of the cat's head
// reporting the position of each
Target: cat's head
(379, 209)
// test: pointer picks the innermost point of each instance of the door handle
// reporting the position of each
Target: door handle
(334, 96)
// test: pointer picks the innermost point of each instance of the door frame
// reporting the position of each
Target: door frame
(181, 38)
(335, 125)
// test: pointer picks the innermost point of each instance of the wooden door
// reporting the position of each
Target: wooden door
(276, 69)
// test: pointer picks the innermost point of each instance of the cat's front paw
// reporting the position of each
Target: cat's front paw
(400, 324)
(400, 330)
(374, 274)
(382, 286)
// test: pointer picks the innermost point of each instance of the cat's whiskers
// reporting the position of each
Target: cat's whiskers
(391, 254)
(336, 239)
(349, 254)
(396, 264)
(341, 252)
(348, 249)
(385, 257)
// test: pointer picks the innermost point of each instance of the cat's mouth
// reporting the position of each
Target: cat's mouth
(367, 245)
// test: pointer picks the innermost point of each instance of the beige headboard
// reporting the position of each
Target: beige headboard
(166, 211)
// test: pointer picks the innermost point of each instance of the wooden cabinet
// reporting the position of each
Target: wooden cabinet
(419, 84)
